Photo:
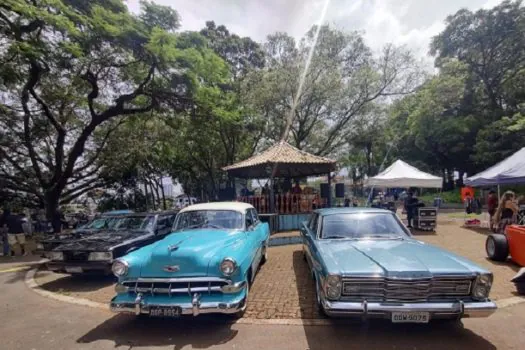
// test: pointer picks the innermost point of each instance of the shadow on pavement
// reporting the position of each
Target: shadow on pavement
(381, 334)
(127, 330)
(305, 287)
(509, 263)
(416, 233)
(72, 284)
(17, 276)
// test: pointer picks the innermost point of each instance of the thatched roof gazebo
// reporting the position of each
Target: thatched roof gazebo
(287, 161)
(283, 161)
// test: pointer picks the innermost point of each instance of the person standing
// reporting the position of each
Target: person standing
(3, 231)
(411, 203)
(492, 206)
(15, 233)
(507, 211)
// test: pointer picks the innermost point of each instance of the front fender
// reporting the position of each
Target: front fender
(136, 259)
(239, 251)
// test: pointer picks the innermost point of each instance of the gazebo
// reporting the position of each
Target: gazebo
(282, 160)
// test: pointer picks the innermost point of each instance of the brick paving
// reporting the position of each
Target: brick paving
(283, 287)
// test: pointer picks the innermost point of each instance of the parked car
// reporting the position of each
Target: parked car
(183, 201)
(96, 252)
(205, 266)
(366, 263)
(103, 222)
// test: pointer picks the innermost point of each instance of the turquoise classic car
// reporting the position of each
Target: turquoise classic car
(206, 265)
(366, 263)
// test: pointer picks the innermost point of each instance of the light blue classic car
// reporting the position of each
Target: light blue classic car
(205, 266)
(366, 263)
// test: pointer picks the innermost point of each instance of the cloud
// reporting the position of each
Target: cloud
(411, 23)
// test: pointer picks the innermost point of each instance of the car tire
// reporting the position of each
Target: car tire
(497, 247)
(264, 257)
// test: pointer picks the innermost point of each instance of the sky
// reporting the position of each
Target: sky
(410, 23)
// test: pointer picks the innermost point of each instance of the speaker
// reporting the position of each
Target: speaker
(324, 190)
(340, 190)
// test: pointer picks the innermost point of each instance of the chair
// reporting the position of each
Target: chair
(521, 215)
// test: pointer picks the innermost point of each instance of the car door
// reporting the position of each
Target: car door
(309, 232)
(253, 240)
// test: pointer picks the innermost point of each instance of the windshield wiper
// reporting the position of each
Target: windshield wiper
(335, 237)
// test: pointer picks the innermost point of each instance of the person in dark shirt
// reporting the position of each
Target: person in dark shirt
(411, 203)
(492, 206)
(3, 231)
(15, 231)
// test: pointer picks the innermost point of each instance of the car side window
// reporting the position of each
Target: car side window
(249, 219)
(255, 216)
(313, 223)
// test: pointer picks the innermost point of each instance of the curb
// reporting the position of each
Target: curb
(31, 284)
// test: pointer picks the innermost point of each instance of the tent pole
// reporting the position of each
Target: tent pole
(329, 199)
(499, 194)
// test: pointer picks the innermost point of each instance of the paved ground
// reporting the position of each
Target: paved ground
(283, 287)
(33, 322)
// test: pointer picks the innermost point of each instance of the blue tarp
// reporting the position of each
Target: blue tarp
(508, 171)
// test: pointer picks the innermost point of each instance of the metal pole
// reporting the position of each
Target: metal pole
(329, 199)
(499, 194)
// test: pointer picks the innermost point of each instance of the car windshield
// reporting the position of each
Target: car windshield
(136, 223)
(222, 219)
(361, 226)
(101, 223)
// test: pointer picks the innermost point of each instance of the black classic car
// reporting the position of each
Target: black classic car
(105, 221)
(94, 253)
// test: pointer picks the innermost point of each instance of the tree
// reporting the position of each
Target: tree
(491, 45)
(341, 80)
(71, 71)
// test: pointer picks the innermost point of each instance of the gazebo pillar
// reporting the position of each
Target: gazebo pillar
(329, 198)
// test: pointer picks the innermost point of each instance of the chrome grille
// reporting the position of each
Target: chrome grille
(406, 290)
(175, 286)
(76, 256)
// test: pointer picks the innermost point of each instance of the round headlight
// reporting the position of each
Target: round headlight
(120, 268)
(480, 291)
(228, 266)
(333, 286)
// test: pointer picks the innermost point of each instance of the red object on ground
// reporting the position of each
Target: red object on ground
(516, 239)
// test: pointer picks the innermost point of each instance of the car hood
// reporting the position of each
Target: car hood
(101, 241)
(189, 253)
(392, 258)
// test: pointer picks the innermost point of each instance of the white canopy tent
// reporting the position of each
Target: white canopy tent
(401, 174)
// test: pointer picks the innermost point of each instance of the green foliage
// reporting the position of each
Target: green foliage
(71, 71)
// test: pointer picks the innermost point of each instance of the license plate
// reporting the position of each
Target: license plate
(410, 317)
(174, 311)
(73, 269)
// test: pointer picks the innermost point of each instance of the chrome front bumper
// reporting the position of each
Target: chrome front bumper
(142, 305)
(366, 309)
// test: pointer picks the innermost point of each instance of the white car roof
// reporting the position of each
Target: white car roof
(236, 206)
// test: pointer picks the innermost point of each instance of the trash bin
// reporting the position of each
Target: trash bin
(437, 202)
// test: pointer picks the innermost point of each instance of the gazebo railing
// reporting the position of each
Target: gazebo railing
(286, 203)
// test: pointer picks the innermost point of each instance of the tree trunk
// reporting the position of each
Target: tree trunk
(154, 200)
(51, 200)
(163, 194)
